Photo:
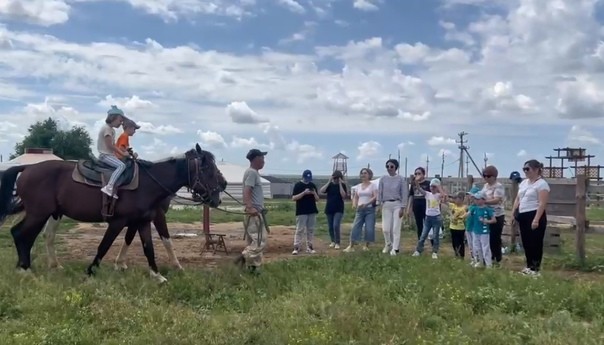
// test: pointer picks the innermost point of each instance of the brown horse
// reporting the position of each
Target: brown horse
(48, 189)
(120, 262)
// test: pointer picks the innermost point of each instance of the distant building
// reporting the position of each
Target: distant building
(280, 188)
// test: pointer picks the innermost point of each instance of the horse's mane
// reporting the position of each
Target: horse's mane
(204, 154)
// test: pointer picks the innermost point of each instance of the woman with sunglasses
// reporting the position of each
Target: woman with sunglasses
(392, 198)
(494, 197)
(417, 200)
(529, 212)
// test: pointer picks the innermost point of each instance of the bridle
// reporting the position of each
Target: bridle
(195, 180)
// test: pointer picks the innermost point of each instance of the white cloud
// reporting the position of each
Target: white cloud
(159, 149)
(580, 136)
(130, 105)
(171, 10)
(292, 5)
(212, 139)
(580, 99)
(368, 149)
(365, 5)
(435, 141)
(40, 12)
(147, 127)
(522, 153)
(241, 113)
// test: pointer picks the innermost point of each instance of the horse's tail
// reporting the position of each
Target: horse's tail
(8, 204)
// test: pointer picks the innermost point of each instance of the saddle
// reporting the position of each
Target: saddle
(95, 173)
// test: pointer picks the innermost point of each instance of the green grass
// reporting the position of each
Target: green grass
(360, 298)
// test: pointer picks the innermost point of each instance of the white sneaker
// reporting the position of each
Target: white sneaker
(349, 249)
(332, 244)
(525, 271)
(476, 264)
(336, 246)
(310, 250)
(365, 248)
(109, 191)
(434, 256)
(386, 249)
(416, 253)
(295, 252)
(393, 252)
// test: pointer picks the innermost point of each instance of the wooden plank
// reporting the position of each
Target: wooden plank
(581, 217)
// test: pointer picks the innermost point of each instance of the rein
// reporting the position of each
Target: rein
(195, 201)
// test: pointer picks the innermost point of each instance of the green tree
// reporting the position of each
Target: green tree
(72, 144)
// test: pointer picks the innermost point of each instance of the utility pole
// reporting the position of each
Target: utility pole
(442, 167)
(486, 159)
(462, 149)
(406, 172)
(427, 164)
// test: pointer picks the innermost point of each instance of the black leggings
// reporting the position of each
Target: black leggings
(495, 238)
(419, 212)
(532, 239)
(457, 239)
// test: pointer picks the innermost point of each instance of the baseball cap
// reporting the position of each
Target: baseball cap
(515, 176)
(130, 124)
(473, 190)
(307, 175)
(253, 153)
(435, 182)
(479, 195)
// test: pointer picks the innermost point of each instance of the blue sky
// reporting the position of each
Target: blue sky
(306, 79)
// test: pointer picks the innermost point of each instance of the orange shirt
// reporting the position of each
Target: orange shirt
(122, 142)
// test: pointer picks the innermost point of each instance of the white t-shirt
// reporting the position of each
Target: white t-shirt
(101, 146)
(528, 194)
(365, 194)
(432, 204)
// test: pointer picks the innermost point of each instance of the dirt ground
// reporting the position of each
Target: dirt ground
(80, 244)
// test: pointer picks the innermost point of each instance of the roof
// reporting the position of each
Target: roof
(32, 158)
(340, 155)
(29, 158)
(273, 179)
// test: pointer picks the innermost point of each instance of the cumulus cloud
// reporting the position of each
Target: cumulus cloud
(212, 139)
(365, 5)
(435, 141)
(368, 149)
(292, 5)
(580, 136)
(128, 104)
(241, 113)
(39, 12)
(522, 153)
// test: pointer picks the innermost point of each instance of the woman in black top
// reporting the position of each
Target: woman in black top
(418, 200)
(336, 192)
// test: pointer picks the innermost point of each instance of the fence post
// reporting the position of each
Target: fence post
(581, 217)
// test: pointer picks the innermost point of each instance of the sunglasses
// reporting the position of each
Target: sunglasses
(487, 176)
(390, 166)
(525, 169)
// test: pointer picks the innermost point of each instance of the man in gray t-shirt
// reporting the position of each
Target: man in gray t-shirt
(254, 222)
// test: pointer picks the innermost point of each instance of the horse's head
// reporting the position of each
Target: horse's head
(204, 177)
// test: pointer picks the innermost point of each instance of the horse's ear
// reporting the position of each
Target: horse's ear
(198, 148)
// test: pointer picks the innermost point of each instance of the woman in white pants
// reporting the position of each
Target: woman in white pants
(392, 198)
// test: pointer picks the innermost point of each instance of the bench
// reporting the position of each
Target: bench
(215, 242)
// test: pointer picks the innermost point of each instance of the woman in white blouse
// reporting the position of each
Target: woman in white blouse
(364, 201)
(529, 212)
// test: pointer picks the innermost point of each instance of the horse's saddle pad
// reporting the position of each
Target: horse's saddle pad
(98, 172)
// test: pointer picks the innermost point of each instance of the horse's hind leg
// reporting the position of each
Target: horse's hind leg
(50, 230)
(144, 230)
(24, 235)
(120, 261)
(162, 229)
(114, 229)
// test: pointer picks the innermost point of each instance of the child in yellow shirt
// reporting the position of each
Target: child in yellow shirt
(457, 225)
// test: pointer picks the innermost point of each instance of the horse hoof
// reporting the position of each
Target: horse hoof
(120, 267)
(158, 277)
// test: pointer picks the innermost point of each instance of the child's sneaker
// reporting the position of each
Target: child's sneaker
(434, 256)
(310, 250)
(386, 249)
(336, 246)
(332, 244)
(416, 253)
(295, 251)
(348, 249)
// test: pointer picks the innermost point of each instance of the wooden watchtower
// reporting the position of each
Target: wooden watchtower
(340, 162)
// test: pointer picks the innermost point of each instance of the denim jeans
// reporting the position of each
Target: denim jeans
(431, 222)
(334, 220)
(364, 216)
